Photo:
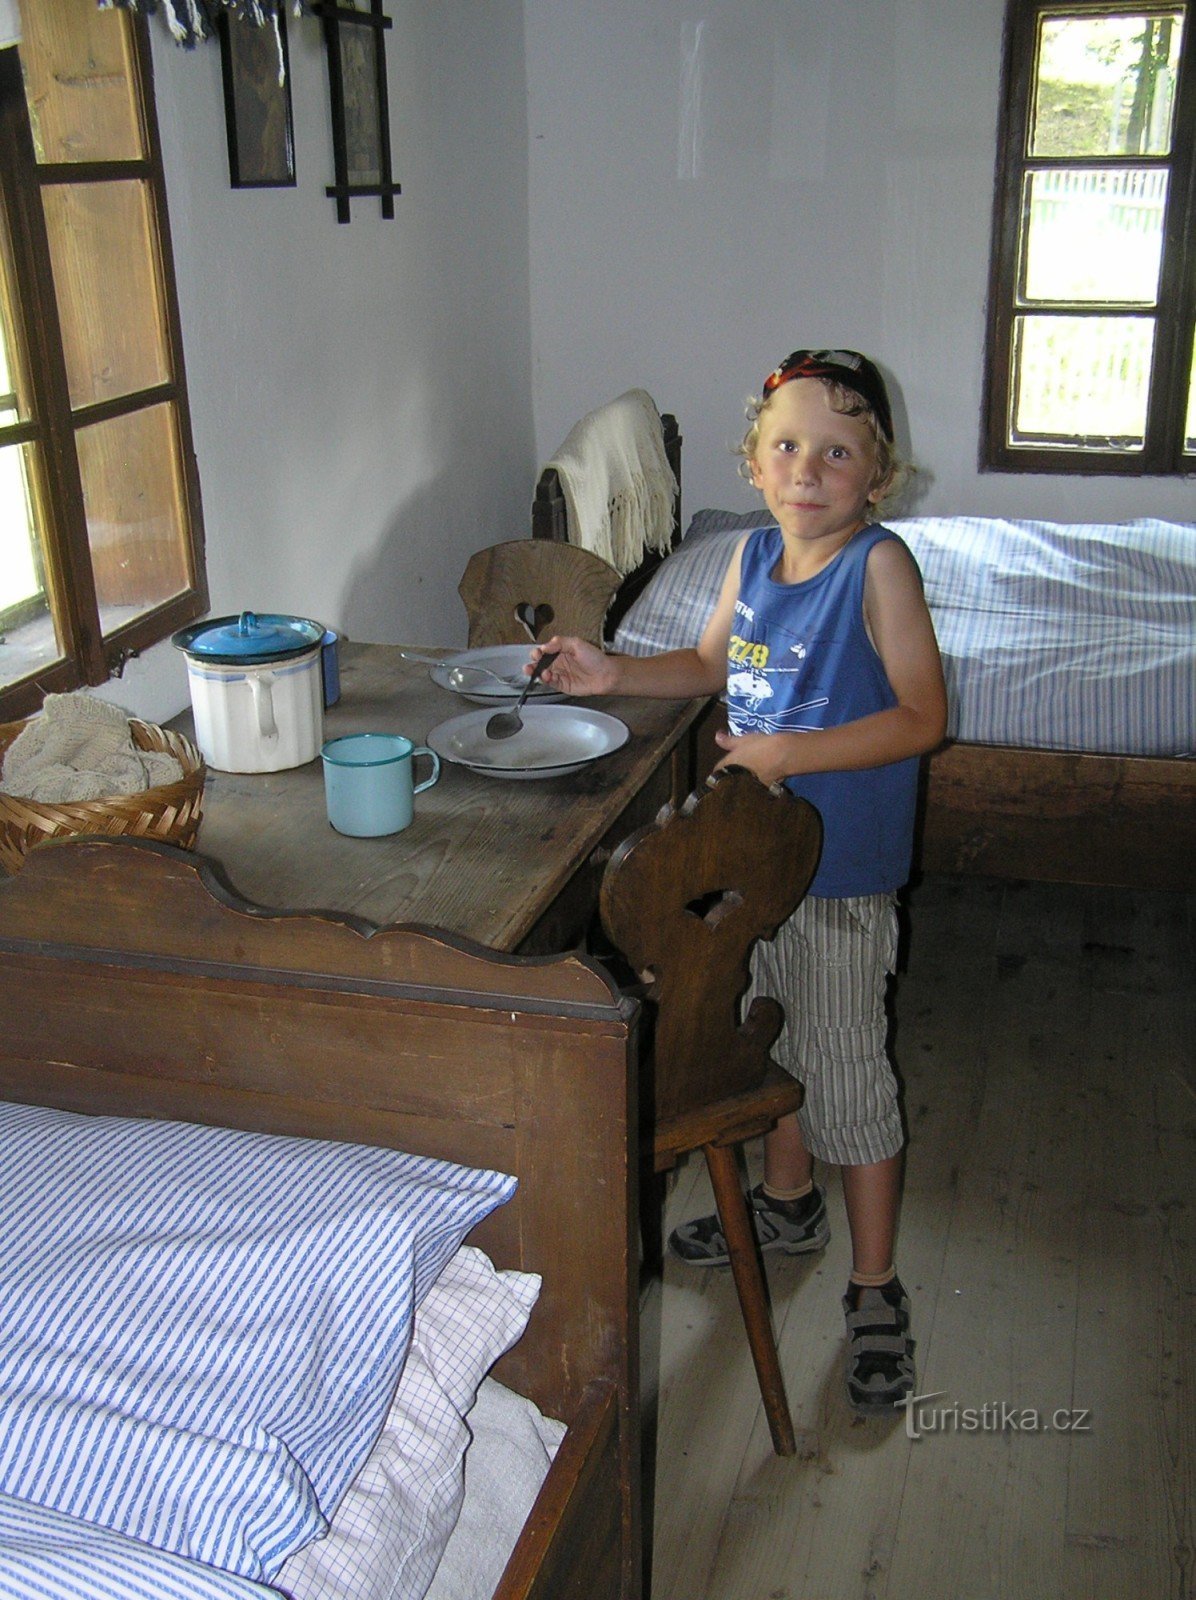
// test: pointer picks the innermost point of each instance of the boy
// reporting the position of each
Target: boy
(823, 642)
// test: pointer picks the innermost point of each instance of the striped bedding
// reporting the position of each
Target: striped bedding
(436, 1508)
(148, 1382)
(47, 1556)
(1064, 636)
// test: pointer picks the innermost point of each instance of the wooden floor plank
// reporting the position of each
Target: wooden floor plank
(1001, 1349)
(837, 1534)
(707, 1394)
(1045, 1037)
(1131, 1527)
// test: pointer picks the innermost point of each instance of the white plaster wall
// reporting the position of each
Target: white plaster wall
(360, 393)
(699, 185)
(715, 182)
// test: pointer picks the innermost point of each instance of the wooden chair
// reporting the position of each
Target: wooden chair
(531, 588)
(684, 900)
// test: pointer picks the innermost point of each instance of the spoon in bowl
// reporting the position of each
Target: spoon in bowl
(466, 676)
(460, 675)
(503, 724)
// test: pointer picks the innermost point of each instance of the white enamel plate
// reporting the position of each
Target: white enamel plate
(554, 740)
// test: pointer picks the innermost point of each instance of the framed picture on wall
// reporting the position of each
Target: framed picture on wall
(355, 43)
(359, 87)
(257, 102)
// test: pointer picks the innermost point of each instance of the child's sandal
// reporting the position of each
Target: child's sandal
(880, 1351)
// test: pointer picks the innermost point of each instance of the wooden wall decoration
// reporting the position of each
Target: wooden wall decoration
(354, 37)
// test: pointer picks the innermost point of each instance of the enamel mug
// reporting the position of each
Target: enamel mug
(369, 782)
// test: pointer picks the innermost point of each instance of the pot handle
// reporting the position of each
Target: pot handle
(261, 686)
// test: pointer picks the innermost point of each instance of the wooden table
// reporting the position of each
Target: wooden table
(512, 864)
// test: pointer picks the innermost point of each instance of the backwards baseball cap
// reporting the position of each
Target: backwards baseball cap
(847, 367)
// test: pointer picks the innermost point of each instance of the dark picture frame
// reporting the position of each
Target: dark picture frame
(355, 42)
(257, 106)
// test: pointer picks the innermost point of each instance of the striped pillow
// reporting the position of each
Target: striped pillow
(51, 1557)
(672, 612)
(201, 1329)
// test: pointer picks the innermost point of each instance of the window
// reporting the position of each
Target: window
(100, 534)
(1092, 298)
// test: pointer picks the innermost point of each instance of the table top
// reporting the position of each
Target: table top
(484, 857)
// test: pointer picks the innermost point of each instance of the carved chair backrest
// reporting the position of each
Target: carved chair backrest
(532, 588)
(685, 899)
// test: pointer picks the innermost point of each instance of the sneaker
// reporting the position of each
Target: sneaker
(880, 1351)
(794, 1226)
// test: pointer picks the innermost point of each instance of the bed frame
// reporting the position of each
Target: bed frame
(1052, 816)
(134, 982)
(1058, 816)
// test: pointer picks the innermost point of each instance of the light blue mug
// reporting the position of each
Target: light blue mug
(369, 782)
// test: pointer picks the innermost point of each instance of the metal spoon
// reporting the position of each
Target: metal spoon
(505, 723)
(428, 661)
(457, 675)
(461, 677)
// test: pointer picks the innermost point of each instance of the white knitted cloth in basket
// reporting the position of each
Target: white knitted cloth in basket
(81, 748)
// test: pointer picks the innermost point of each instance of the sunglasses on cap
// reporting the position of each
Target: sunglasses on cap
(848, 367)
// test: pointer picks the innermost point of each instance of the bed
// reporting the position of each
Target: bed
(1070, 655)
(156, 1029)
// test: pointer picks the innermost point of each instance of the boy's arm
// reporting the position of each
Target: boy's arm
(898, 622)
(581, 669)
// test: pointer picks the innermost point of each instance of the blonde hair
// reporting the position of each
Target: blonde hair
(892, 470)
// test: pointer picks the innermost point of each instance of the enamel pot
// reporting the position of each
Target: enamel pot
(256, 690)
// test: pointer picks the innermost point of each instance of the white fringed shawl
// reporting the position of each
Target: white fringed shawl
(188, 20)
(617, 482)
(191, 21)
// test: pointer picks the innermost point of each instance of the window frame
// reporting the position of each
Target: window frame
(1162, 452)
(88, 657)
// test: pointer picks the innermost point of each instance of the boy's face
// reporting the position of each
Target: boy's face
(816, 468)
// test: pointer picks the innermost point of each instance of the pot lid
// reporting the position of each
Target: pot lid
(269, 636)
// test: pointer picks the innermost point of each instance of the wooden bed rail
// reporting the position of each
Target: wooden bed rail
(133, 984)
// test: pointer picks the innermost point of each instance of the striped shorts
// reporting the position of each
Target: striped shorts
(829, 967)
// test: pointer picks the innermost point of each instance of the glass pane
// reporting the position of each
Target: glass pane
(14, 402)
(80, 83)
(1106, 85)
(1081, 380)
(1190, 424)
(28, 641)
(1094, 236)
(359, 81)
(136, 526)
(106, 276)
(10, 406)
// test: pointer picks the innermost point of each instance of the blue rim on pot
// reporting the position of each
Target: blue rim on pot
(249, 637)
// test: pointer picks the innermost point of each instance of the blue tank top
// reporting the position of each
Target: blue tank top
(799, 658)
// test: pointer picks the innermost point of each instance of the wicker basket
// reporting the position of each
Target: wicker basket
(170, 812)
